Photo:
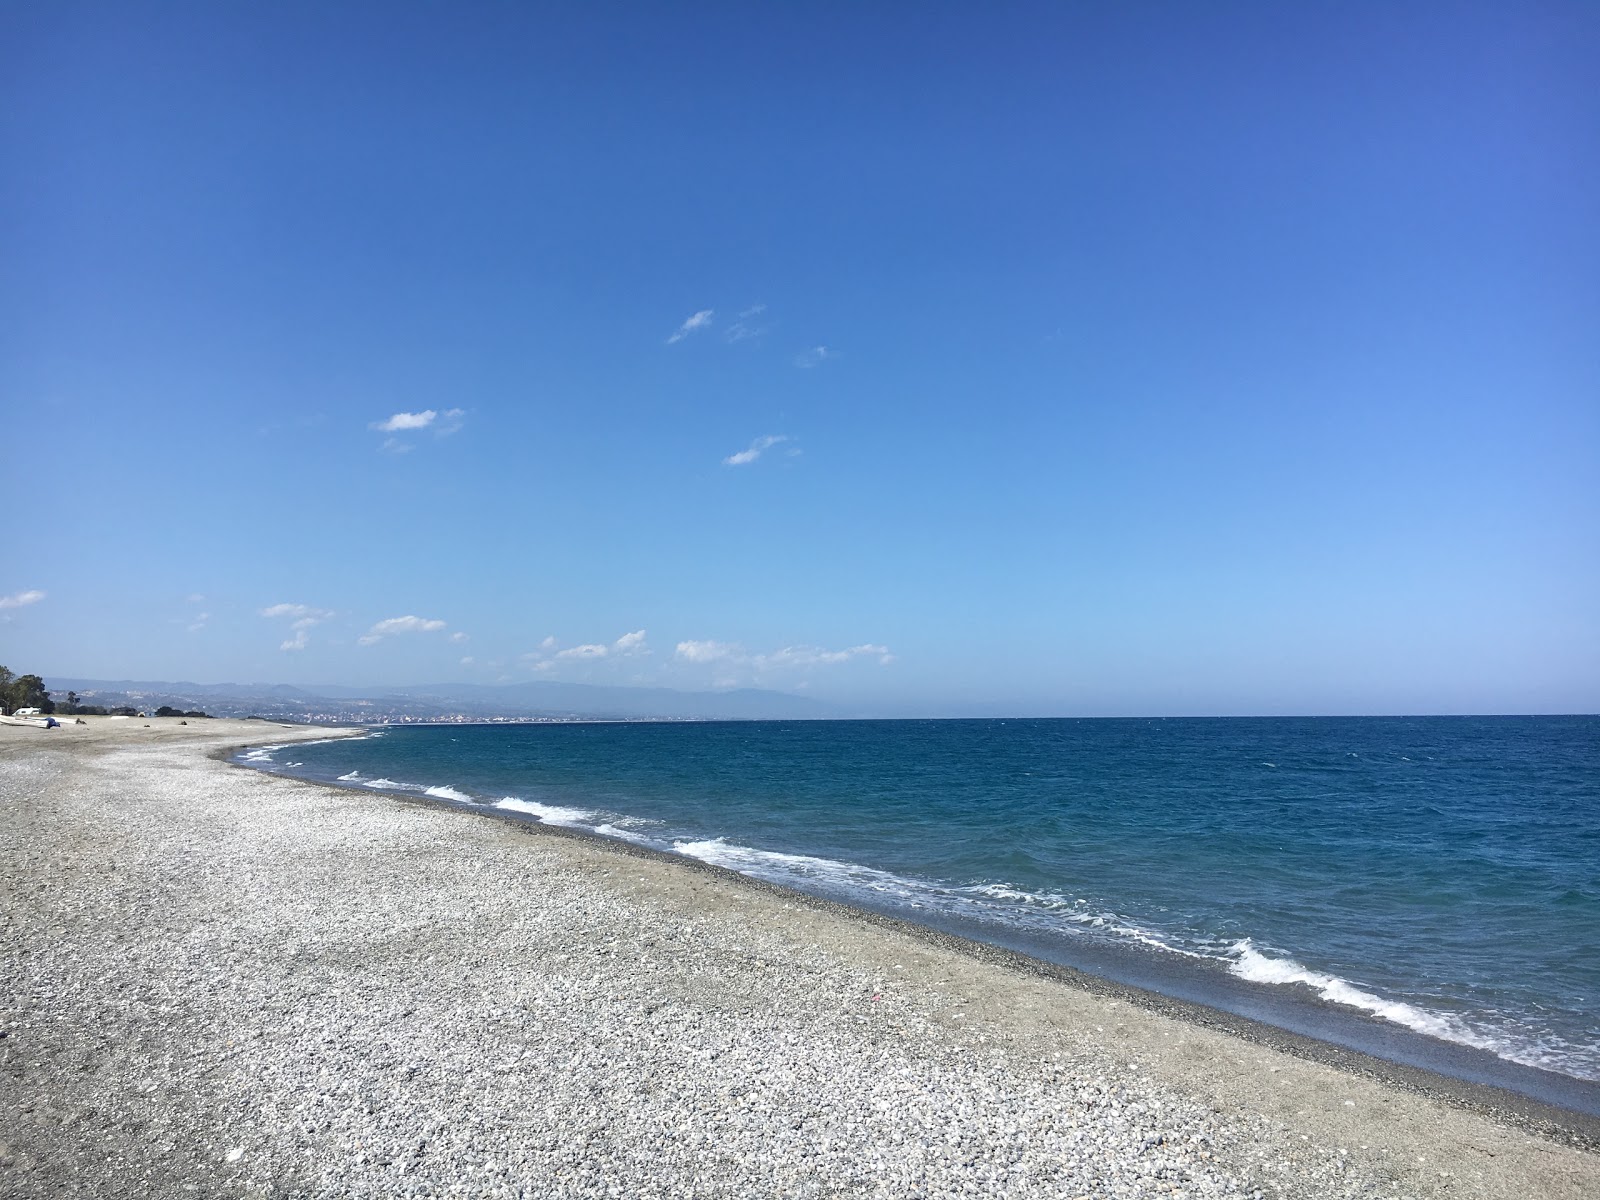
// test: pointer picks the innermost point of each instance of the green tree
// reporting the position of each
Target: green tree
(28, 691)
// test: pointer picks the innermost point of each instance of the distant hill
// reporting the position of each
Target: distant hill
(546, 699)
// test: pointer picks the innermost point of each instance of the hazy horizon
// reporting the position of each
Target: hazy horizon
(972, 710)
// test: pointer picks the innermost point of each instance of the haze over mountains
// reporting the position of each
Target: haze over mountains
(421, 702)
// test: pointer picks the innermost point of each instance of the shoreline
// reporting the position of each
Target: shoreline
(288, 999)
(1305, 1025)
(1505, 1105)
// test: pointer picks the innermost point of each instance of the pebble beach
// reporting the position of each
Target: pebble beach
(222, 982)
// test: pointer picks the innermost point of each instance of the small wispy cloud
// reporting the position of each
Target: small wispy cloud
(708, 651)
(755, 450)
(302, 617)
(458, 637)
(398, 625)
(731, 659)
(816, 656)
(549, 652)
(699, 320)
(815, 356)
(747, 326)
(304, 614)
(630, 643)
(199, 622)
(442, 424)
(22, 599)
(405, 420)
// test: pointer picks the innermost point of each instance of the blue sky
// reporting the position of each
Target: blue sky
(1069, 359)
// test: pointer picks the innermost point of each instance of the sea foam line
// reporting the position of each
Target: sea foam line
(988, 902)
(549, 814)
(1245, 961)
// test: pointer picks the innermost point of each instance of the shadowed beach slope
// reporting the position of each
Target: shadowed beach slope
(221, 982)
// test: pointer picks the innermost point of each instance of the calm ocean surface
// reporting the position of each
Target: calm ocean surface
(1340, 876)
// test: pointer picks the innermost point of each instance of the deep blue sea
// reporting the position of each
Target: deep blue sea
(1341, 876)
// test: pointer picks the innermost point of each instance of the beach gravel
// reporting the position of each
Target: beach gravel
(221, 982)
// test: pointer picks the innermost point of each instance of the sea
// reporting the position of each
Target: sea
(1425, 889)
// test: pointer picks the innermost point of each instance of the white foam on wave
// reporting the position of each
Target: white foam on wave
(350, 778)
(775, 865)
(989, 902)
(1052, 906)
(549, 814)
(627, 835)
(1249, 963)
(381, 783)
(447, 793)
(638, 823)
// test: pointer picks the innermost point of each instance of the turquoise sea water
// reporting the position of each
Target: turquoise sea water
(1426, 876)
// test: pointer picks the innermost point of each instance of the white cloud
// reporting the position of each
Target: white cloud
(468, 661)
(815, 356)
(443, 424)
(730, 656)
(304, 617)
(742, 328)
(699, 321)
(755, 450)
(403, 421)
(196, 598)
(631, 643)
(304, 614)
(397, 625)
(592, 650)
(21, 599)
(199, 622)
(882, 653)
(704, 652)
(458, 637)
(816, 656)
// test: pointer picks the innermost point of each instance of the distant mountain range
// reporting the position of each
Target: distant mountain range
(468, 701)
